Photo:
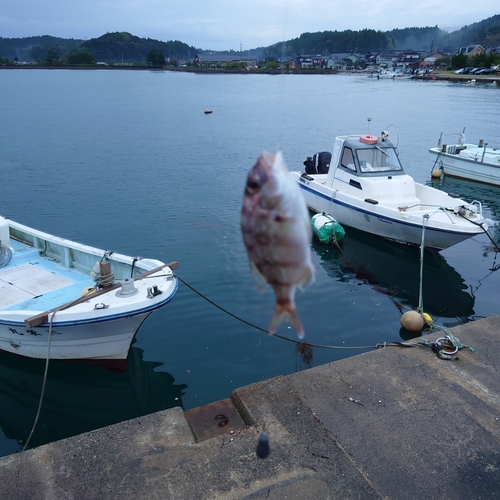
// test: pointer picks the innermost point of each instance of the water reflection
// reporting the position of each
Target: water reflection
(394, 270)
(78, 398)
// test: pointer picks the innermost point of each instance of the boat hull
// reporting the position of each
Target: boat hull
(375, 219)
(467, 168)
(104, 340)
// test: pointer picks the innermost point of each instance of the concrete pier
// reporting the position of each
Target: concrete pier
(396, 423)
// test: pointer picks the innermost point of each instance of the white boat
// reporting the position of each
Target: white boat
(91, 301)
(474, 162)
(364, 186)
(386, 74)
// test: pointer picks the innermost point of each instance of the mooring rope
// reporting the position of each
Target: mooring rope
(43, 383)
(5, 255)
(497, 249)
(425, 219)
(376, 346)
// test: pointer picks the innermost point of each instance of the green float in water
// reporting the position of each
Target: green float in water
(327, 229)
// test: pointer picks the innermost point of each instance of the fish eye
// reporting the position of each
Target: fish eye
(253, 185)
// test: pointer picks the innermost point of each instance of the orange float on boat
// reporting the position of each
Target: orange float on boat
(368, 139)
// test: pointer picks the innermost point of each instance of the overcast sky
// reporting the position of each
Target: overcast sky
(230, 24)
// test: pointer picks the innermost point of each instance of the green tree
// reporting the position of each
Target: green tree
(156, 58)
(459, 61)
(81, 57)
(51, 58)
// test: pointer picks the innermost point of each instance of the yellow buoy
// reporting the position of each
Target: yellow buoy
(412, 321)
(427, 318)
(436, 173)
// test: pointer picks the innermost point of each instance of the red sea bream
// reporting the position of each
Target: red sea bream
(276, 231)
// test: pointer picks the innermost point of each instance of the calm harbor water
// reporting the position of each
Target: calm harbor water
(128, 161)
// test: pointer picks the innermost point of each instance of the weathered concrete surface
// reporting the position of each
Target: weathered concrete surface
(397, 423)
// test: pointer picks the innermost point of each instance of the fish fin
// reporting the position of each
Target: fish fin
(259, 280)
(307, 278)
(288, 313)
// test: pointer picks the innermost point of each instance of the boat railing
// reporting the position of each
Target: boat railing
(463, 210)
(461, 138)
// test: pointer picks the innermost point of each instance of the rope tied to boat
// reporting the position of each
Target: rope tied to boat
(103, 280)
(320, 346)
(47, 359)
(449, 341)
(5, 255)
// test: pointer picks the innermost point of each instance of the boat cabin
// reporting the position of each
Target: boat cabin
(367, 167)
(363, 156)
(370, 159)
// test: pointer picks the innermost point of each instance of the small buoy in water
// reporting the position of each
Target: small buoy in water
(412, 321)
(436, 173)
(427, 318)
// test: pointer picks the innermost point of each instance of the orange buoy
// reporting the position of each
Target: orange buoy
(412, 321)
(369, 139)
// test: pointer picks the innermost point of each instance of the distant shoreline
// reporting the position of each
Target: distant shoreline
(329, 71)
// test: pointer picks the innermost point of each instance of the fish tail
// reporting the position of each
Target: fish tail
(286, 312)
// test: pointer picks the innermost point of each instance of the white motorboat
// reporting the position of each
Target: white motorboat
(474, 162)
(363, 185)
(65, 300)
(386, 74)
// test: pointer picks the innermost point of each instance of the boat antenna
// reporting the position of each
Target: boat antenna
(369, 127)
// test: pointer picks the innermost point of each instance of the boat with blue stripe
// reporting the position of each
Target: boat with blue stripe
(362, 184)
(64, 300)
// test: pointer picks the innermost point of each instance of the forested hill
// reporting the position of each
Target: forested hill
(486, 33)
(123, 47)
(33, 48)
(119, 47)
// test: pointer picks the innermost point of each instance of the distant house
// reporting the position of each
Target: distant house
(429, 61)
(471, 50)
(308, 61)
(343, 61)
(386, 59)
(214, 61)
(408, 59)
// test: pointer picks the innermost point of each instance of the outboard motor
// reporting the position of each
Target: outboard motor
(309, 164)
(319, 163)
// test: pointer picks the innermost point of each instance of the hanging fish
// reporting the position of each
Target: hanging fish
(277, 235)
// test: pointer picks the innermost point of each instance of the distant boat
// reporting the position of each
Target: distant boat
(403, 76)
(475, 162)
(207, 111)
(362, 185)
(91, 301)
(386, 74)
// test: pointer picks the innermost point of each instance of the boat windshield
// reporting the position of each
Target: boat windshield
(378, 159)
